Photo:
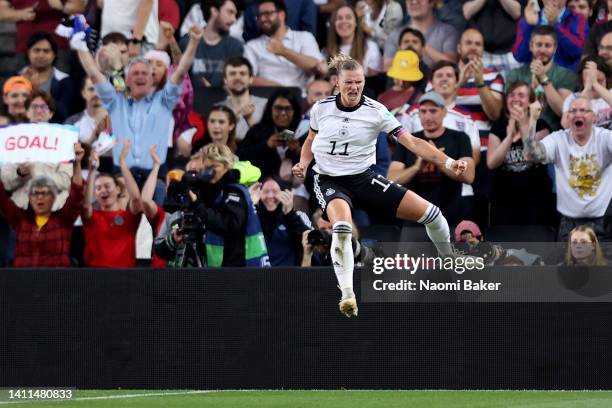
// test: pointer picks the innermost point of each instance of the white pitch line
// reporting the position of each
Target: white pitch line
(108, 397)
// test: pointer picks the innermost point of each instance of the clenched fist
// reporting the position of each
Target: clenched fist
(459, 167)
(299, 170)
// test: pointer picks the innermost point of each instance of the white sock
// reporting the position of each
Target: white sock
(437, 229)
(342, 256)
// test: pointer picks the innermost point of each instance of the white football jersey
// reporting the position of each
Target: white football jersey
(453, 120)
(345, 143)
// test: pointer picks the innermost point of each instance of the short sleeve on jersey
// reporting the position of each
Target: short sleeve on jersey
(314, 117)
(388, 121)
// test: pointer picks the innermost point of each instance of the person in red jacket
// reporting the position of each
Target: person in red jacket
(43, 236)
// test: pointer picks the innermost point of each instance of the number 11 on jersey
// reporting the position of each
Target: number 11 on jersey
(333, 149)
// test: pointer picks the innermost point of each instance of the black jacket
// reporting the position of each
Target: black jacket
(223, 210)
(283, 234)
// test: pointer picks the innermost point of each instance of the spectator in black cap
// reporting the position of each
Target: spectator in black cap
(428, 180)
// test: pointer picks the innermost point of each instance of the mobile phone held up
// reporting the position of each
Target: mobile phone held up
(287, 134)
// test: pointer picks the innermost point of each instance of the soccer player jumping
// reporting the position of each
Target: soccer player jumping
(342, 139)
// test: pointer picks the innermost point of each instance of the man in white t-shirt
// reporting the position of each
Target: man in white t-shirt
(582, 156)
(281, 56)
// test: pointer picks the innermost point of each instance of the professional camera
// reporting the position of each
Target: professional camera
(198, 180)
(490, 253)
(316, 237)
(189, 222)
(190, 225)
(177, 195)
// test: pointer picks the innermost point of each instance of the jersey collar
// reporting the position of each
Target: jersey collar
(346, 109)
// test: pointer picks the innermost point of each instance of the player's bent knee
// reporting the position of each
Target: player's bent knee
(412, 207)
(338, 210)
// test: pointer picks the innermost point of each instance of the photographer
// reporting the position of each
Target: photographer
(469, 240)
(218, 220)
(316, 244)
(282, 225)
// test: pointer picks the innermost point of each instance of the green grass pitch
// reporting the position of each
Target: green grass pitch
(331, 399)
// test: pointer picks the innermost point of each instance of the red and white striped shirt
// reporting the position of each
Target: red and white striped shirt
(469, 103)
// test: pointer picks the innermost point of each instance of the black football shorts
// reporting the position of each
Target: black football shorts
(368, 190)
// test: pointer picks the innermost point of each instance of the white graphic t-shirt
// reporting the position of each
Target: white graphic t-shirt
(583, 173)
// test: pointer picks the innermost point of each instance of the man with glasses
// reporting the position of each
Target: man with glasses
(282, 56)
(301, 16)
(582, 156)
(604, 50)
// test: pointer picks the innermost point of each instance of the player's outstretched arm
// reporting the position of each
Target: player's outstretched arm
(299, 170)
(429, 153)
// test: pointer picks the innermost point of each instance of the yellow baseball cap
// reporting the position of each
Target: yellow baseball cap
(405, 67)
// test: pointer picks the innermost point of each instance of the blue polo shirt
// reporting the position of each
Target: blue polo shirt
(144, 122)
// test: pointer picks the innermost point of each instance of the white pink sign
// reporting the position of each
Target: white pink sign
(38, 142)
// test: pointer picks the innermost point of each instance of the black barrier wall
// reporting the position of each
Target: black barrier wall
(280, 328)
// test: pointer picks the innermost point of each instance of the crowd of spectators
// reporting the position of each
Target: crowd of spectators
(522, 91)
